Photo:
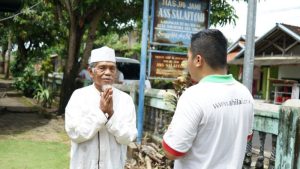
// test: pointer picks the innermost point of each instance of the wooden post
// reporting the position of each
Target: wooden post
(268, 84)
(295, 91)
(288, 141)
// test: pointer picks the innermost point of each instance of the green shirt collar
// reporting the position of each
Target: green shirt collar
(218, 78)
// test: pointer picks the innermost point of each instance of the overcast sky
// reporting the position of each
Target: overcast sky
(269, 12)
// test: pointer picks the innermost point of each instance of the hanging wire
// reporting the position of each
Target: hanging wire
(3, 19)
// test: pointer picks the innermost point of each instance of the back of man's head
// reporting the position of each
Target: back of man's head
(212, 46)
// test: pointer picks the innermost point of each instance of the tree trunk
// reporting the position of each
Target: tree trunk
(7, 55)
(4, 49)
(21, 59)
(90, 39)
(72, 65)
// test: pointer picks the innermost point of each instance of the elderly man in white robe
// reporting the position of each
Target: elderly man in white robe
(100, 119)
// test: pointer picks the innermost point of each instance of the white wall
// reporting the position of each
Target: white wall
(290, 71)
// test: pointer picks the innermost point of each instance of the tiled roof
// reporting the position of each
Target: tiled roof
(232, 55)
(295, 29)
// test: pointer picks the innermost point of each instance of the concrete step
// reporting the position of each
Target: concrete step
(18, 104)
(6, 85)
(14, 93)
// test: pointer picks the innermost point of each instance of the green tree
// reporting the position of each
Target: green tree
(222, 13)
(33, 31)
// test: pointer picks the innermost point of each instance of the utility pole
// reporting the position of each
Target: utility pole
(250, 45)
(249, 64)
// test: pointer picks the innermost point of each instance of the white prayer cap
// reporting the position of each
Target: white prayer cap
(103, 54)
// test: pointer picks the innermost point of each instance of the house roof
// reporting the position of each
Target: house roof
(238, 43)
(266, 61)
(282, 81)
(235, 48)
(275, 43)
(294, 29)
(231, 55)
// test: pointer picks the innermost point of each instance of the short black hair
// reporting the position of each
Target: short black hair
(211, 44)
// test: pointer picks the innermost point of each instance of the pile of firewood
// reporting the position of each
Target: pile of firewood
(147, 156)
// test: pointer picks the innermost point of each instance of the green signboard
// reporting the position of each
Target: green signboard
(175, 20)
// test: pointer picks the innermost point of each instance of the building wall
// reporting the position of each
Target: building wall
(294, 51)
(268, 72)
(234, 70)
(289, 71)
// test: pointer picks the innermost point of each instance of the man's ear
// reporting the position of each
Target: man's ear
(198, 60)
(90, 70)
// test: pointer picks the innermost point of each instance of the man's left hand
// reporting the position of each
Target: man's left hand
(106, 102)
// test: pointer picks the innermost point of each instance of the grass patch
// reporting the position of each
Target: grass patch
(18, 154)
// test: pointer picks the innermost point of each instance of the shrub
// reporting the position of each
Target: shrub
(44, 96)
(28, 82)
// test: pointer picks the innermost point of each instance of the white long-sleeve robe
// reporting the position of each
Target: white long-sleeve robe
(95, 142)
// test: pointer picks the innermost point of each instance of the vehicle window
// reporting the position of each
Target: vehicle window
(131, 71)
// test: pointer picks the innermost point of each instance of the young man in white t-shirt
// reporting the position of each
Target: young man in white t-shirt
(213, 118)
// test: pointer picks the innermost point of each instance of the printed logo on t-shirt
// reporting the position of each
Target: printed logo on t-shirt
(231, 102)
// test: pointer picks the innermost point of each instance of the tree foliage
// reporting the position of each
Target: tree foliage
(72, 28)
(222, 13)
(34, 32)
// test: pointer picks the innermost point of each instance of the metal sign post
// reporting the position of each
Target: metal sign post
(140, 115)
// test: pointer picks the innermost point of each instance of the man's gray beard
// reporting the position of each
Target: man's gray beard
(106, 86)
